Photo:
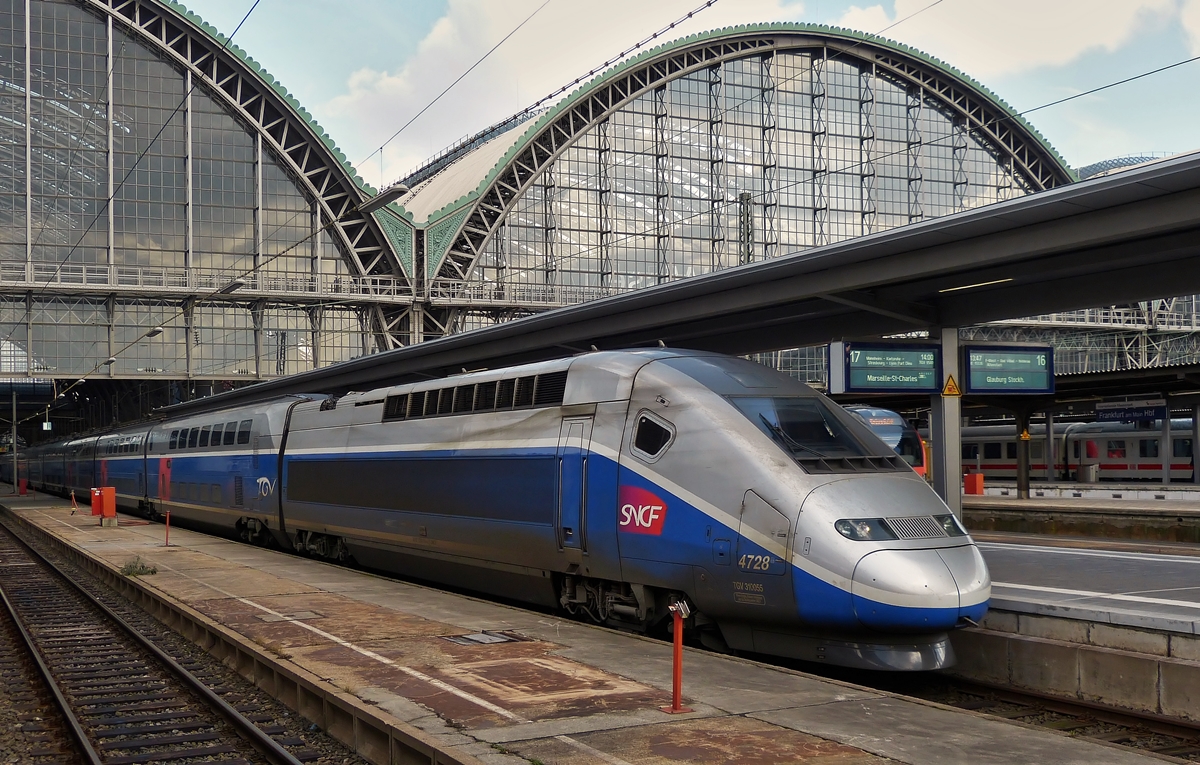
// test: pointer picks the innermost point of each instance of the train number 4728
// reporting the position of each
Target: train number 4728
(755, 562)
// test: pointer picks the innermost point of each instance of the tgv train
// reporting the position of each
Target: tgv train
(607, 485)
(1120, 451)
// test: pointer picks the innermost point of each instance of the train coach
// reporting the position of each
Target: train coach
(1119, 451)
(607, 485)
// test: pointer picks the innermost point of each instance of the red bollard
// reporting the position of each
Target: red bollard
(167, 540)
(679, 612)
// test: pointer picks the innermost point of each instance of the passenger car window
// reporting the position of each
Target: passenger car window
(970, 451)
(203, 436)
(1116, 450)
(193, 437)
(216, 435)
(991, 451)
(650, 437)
(174, 439)
(230, 433)
(243, 435)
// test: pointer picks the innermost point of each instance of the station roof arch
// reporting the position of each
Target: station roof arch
(465, 196)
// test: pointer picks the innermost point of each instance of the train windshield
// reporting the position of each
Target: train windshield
(805, 426)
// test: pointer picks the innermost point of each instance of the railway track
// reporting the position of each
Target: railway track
(121, 698)
(1167, 738)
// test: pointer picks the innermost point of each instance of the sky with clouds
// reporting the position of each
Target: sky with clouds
(365, 68)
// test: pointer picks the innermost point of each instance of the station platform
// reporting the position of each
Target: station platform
(1089, 580)
(1119, 515)
(469, 681)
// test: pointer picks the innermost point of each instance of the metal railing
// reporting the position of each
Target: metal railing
(73, 276)
(1123, 318)
(454, 292)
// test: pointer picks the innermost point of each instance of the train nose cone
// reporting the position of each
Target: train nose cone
(905, 589)
(971, 574)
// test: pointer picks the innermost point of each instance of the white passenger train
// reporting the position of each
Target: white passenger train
(1120, 451)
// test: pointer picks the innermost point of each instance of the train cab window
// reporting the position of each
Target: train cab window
(651, 436)
(1010, 450)
(193, 438)
(216, 435)
(203, 436)
(992, 451)
(1116, 450)
(171, 444)
(1182, 447)
(1148, 447)
(243, 436)
(970, 451)
(230, 433)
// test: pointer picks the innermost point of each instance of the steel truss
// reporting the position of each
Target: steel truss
(1019, 151)
(378, 284)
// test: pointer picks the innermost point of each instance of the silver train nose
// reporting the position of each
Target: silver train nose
(920, 589)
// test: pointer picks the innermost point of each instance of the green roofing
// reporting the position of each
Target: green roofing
(275, 85)
(534, 127)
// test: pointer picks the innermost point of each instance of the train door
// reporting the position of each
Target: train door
(574, 438)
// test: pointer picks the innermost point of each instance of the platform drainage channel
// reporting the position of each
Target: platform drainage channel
(482, 638)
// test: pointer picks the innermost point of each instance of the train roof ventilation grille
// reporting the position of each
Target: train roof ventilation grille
(919, 527)
(863, 464)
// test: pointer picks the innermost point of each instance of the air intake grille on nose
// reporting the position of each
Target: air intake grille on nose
(920, 527)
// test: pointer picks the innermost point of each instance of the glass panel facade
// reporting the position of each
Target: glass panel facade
(752, 159)
(130, 184)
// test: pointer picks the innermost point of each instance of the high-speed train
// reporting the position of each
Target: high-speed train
(607, 485)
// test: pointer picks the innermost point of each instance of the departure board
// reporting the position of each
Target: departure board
(1009, 369)
(885, 368)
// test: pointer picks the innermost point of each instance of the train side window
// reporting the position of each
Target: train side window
(216, 435)
(243, 436)
(193, 437)
(1010, 450)
(1148, 447)
(230, 433)
(1116, 450)
(970, 451)
(1182, 447)
(651, 436)
(171, 444)
(204, 436)
(992, 451)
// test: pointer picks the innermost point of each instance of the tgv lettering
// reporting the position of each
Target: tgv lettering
(641, 515)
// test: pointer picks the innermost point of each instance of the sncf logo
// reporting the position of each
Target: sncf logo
(641, 512)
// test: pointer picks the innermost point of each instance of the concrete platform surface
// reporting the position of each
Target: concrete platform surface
(556, 691)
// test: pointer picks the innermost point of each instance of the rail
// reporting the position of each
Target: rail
(454, 292)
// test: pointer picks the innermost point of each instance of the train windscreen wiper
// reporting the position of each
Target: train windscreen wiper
(787, 440)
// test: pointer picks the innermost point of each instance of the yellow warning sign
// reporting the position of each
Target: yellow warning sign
(951, 388)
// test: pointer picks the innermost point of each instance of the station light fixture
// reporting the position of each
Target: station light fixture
(232, 287)
(154, 332)
(383, 198)
(111, 360)
(978, 284)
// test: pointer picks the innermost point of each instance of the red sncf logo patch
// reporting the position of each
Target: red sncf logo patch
(640, 511)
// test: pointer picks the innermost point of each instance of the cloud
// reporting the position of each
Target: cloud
(563, 41)
(1189, 19)
(989, 40)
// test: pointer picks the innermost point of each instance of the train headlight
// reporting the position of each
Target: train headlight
(864, 529)
(951, 525)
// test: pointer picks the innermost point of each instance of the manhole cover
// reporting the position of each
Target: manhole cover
(480, 638)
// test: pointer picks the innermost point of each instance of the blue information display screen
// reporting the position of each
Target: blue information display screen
(1000, 369)
(881, 368)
